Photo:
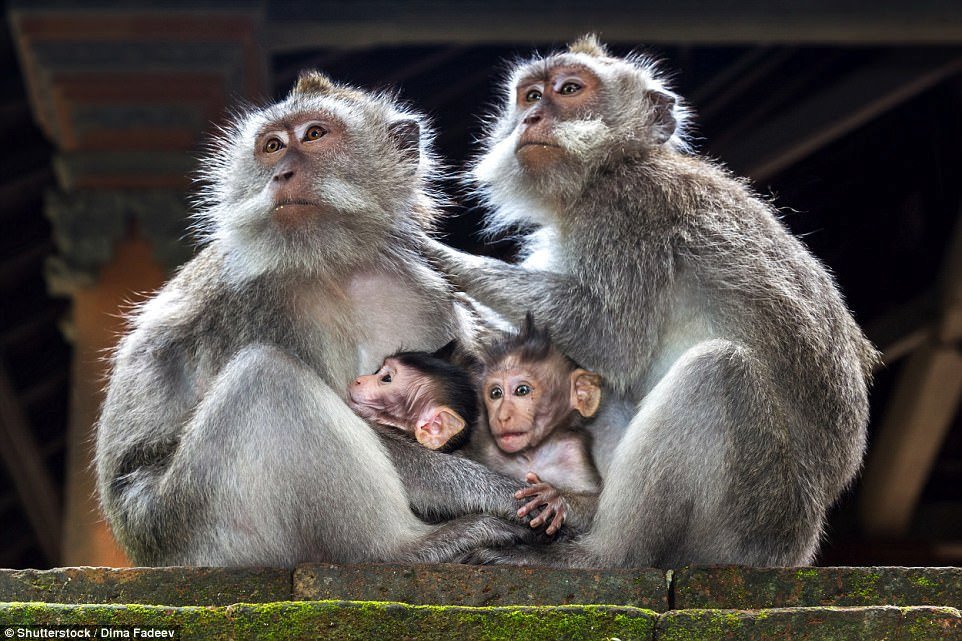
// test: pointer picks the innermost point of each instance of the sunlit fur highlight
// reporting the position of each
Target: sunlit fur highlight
(517, 198)
(376, 191)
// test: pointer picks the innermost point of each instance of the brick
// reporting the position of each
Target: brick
(452, 584)
(342, 621)
(754, 588)
(883, 623)
(162, 586)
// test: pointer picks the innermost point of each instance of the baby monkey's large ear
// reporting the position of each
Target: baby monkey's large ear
(663, 121)
(406, 135)
(585, 392)
(438, 426)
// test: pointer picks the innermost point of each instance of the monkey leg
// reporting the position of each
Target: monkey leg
(707, 472)
(278, 470)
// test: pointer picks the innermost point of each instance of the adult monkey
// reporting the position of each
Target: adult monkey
(667, 276)
(224, 437)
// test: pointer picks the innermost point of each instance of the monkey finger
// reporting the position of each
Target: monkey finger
(533, 490)
(558, 520)
(531, 477)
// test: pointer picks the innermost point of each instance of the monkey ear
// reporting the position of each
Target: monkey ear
(663, 123)
(439, 426)
(585, 392)
(406, 135)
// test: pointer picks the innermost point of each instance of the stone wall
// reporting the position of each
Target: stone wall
(386, 602)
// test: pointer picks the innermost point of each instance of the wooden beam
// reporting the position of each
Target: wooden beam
(835, 110)
(38, 494)
(923, 405)
(304, 24)
(904, 328)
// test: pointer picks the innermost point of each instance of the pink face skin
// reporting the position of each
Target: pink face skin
(562, 93)
(525, 403)
(399, 396)
(295, 151)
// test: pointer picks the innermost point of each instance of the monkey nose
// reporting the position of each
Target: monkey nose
(357, 381)
(283, 175)
(533, 118)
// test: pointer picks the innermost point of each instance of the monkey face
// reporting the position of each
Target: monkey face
(546, 102)
(402, 397)
(295, 151)
(524, 404)
(315, 184)
(380, 396)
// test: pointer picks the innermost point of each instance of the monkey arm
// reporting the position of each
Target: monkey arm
(560, 301)
(444, 486)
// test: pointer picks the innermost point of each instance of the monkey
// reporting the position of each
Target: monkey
(537, 401)
(737, 377)
(225, 438)
(422, 395)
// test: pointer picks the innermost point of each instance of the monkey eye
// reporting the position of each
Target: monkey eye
(314, 132)
(273, 145)
(522, 390)
(386, 378)
(533, 95)
(495, 393)
(569, 88)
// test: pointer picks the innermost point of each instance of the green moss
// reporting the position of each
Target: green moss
(684, 625)
(350, 621)
(864, 588)
(924, 582)
(808, 573)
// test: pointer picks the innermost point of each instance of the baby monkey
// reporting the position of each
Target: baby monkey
(537, 400)
(421, 394)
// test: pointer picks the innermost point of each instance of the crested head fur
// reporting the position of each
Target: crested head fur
(632, 92)
(376, 189)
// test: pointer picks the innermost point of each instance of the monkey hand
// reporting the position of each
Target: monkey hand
(548, 499)
(449, 260)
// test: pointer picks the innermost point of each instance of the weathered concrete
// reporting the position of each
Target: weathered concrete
(886, 623)
(452, 584)
(754, 588)
(345, 621)
(161, 586)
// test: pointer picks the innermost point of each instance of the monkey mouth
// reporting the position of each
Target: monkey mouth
(290, 202)
(536, 143)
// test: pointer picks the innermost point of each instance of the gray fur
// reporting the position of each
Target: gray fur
(718, 333)
(225, 438)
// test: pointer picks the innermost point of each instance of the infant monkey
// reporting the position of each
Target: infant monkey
(537, 400)
(421, 394)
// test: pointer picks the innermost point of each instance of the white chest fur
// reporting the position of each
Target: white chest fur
(392, 314)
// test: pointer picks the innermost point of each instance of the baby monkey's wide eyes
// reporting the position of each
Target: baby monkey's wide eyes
(569, 88)
(273, 145)
(314, 132)
(495, 393)
(522, 390)
(533, 95)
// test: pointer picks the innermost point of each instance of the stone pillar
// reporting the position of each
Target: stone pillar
(126, 94)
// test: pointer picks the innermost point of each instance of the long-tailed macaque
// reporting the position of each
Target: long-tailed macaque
(422, 395)
(225, 437)
(537, 401)
(736, 378)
